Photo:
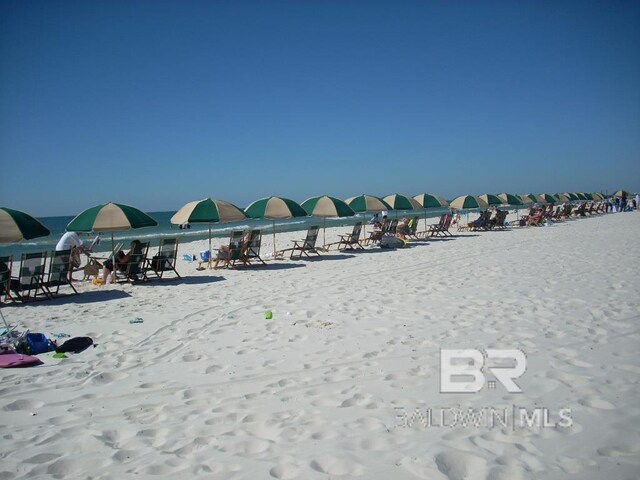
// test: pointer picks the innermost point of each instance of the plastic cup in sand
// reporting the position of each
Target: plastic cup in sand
(268, 315)
(136, 320)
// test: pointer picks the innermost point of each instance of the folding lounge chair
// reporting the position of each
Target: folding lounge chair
(352, 240)
(252, 253)
(30, 276)
(376, 235)
(165, 260)
(58, 275)
(136, 266)
(434, 229)
(235, 251)
(5, 278)
(306, 246)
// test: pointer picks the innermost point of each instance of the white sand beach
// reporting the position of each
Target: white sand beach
(335, 384)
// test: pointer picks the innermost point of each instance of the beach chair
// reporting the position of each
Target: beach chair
(377, 233)
(6, 264)
(306, 246)
(252, 253)
(435, 228)
(58, 274)
(30, 276)
(136, 266)
(351, 241)
(165, 260)
(234, 253)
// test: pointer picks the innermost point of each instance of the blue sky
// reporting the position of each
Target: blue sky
(157, 103)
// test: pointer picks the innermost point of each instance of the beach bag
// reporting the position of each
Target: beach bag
(35, 343)
(75, 345)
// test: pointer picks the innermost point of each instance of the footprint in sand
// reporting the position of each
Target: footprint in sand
(23, 404)
(595, 402)
(336, 466)
(458, 465)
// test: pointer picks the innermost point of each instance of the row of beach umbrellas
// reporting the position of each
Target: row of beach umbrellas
(16, 226)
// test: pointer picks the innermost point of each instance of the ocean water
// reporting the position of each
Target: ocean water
(196, 231)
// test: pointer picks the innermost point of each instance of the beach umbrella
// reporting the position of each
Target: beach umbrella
(525, 199)
(464, 202)
(110, 217)
(429, 200)
(620, 193)
(274, 208)
(491, 199)
(588, 196)
(509, 199)
(572, 196)
(326, 206)
(401, 202)
(398, 201)
(581, 196)
(367, 203)
(562, 197)
(597, 196)
(532, 196)
(208, 210)
(16, 226)
(545, 198)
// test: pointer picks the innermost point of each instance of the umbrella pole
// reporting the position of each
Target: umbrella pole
(324, 230)
(210, 252)
(274, 239)
(364, 224)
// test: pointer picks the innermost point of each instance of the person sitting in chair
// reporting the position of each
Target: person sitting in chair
(224, 252)
(122, 260)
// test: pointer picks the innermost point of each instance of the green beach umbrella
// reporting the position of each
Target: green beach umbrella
(16, 226)
(581, 196)
(401, 202)
(110, 217)
(491, 199)
(429, 200)
(367, 203)
(509, 199)
(326, 206)
(620, 193)
(274, 208)
(562, 197)
(464, 202)
(588, 196)
(572, 196)
(533, 197)
(525, 199)
(545, 198)
(208, 210)
(398, 201)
